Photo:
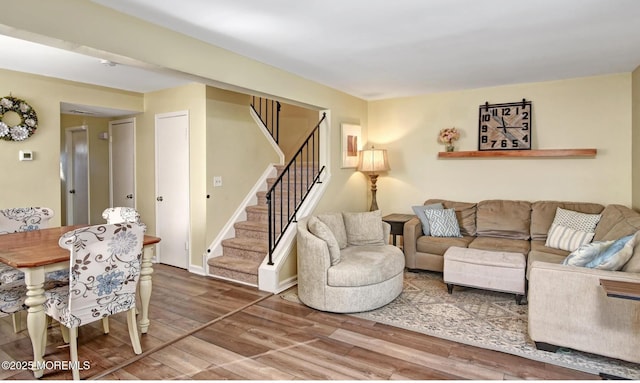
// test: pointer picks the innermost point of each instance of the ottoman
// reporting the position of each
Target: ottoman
(491, 270)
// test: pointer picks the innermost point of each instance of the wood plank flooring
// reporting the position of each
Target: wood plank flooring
(202, 328)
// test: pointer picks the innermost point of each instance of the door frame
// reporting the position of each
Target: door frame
(111, 123)
(68, 170)
(157, 117)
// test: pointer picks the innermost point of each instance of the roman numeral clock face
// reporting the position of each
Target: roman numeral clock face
(505, 126)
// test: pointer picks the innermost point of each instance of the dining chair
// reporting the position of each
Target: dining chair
(14, 220)
(121, 214)
(104, 269)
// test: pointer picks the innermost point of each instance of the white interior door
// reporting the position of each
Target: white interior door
(122, 163)
(172, 188)
(77, 175)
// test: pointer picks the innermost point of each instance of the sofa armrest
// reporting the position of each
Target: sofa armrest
(569, 308)
(410, 234)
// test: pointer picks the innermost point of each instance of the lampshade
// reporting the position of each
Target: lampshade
(373, 161)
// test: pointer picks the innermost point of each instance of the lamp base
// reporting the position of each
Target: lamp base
(374, 188)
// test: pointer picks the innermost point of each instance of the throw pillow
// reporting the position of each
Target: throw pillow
(576, 220)
(322, 231)
(616, 255)
(585, 253)
(566, 238)
(335, 222)
(419, 211)
(443, 223)
(364, 228)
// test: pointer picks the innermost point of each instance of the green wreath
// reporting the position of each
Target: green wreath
(28, 119)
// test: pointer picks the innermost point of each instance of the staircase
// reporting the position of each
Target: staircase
(242, 255)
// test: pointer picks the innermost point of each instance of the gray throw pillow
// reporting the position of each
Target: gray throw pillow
(322, 231)
(419, 211)
(364, 228)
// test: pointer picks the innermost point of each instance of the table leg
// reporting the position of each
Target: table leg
(146, 269)
(36, 318)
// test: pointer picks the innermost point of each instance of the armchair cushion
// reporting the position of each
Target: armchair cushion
(364, 228)
(322, 231)
(383, 263)
(335, 222)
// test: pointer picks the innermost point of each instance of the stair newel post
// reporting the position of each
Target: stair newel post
(270, 233)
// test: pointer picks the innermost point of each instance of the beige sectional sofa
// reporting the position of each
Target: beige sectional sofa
(567, 305)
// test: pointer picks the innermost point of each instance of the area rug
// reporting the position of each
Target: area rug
(481, 318)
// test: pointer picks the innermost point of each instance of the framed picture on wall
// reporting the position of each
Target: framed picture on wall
(351, 144)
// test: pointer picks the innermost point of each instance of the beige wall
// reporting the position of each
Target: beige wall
(635, 100)
(590, 112)
(37, 182)
(191, 98)
(236, 151)
(296, 123)
(98, 163)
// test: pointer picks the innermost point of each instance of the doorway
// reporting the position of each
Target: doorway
(76, 175)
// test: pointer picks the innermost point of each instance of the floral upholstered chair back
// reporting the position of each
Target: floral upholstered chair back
(120, 214)
(105, 267)
(20, 219)
(16, 220)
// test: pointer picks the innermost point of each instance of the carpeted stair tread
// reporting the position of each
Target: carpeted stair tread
(250, 244)
(252, 225)
(234, 268)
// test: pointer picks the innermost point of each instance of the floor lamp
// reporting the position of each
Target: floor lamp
(373, 161)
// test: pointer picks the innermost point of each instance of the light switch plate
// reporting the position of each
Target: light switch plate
(25, 155)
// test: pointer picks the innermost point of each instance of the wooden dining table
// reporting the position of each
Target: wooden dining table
(36, 253)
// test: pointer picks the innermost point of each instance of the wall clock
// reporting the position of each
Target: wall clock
(505, 126)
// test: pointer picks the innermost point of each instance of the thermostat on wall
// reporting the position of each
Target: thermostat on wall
(26, 155)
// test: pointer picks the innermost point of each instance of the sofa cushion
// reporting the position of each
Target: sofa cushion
(501, 244)
(419, 212)
(322, 231)
(503, 219)
(543, 213)
(542, 256)
(366, 265)
(566, 238)
(614, 256)
(438, 245)
(540, 247)
(613, 223)
(335, 222)
(465, 213)
(443, 223)
(364, 228)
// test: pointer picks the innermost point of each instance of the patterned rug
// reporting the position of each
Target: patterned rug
(481, 318)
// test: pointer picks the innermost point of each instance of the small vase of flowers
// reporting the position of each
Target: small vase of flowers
(447, 136)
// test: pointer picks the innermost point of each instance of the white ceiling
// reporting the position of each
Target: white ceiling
(376, 49)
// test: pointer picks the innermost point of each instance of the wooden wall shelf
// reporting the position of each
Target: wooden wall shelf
(557, 153)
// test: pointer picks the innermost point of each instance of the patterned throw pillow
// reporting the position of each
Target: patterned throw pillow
(585, 253)
(443, 222)
(566, 238)
(616, 255)
(419, 211)
(576, 220)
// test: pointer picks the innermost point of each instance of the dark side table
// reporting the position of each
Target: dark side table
(397, 222)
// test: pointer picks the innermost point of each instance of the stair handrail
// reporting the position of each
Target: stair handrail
(270, 121)
(311, 180)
